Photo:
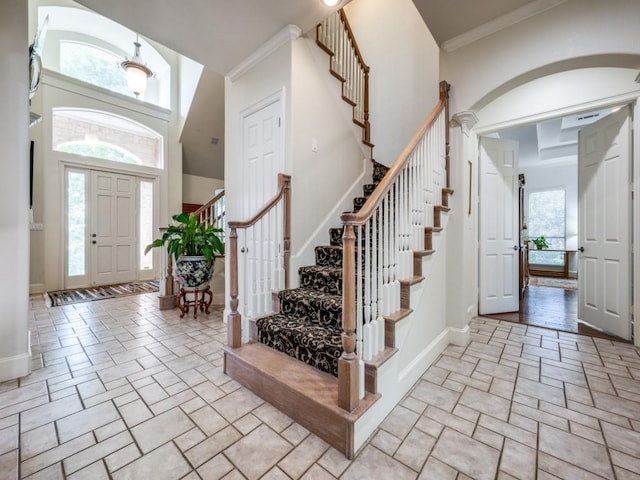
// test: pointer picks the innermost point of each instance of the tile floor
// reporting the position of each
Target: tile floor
(120, 390)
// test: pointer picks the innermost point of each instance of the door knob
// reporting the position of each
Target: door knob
(94, 242)
(93, 235)
(581, 249)
(515, 247)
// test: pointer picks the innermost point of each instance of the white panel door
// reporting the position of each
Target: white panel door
(499, 244)
(262, 160)
(260, 249)
(113, 228)
(604, 224)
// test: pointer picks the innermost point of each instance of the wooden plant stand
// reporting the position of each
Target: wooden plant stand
(198, 300)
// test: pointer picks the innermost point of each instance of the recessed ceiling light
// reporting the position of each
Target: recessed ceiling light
(331, 3)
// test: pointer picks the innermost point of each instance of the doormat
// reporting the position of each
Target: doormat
(566, 283)
(79, 295)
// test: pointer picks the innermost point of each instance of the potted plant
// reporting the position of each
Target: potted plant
(540, 242)
(194, 246)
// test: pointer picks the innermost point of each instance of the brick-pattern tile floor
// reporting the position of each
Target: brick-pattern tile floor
(121, 390)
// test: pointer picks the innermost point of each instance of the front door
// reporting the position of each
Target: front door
(604, 225)
(499, 236)
(113, 238)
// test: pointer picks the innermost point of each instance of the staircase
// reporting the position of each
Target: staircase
(308, 325)
(318, 355)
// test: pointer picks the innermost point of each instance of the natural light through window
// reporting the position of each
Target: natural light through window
(93, 65)
(146, 223)
(76, 223)
(547, 218)
(97, 134)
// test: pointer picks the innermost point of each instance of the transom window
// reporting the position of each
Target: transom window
(106, 136)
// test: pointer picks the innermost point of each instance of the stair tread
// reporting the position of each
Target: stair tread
(311, 292)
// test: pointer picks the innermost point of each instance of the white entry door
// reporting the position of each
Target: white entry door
(604, 224)
(113, 228)
(499, 244)
(260, 250)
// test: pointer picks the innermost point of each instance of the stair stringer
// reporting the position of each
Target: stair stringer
(322, 61)
(420, 338)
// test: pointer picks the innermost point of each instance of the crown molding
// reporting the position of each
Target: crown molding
(499, 23)
(284, 36)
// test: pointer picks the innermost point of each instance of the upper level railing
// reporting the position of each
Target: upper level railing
(265, 241)
(213, 212)
(379, 242)
(334, 36)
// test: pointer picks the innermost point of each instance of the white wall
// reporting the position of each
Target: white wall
(320, 178)
(559, 94)
(404, 78)
(575, 34)
(199, 190)
(15, 354)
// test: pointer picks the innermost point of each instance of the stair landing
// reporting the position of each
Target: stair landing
(307, 395)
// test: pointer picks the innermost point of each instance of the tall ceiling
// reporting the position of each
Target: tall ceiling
(220, 34)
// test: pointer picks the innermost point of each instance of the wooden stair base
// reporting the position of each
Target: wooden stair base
(304, 393)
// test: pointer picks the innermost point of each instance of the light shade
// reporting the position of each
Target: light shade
(331, 3)
(137, 72)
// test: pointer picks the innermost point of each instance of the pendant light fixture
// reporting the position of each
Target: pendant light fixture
(137, 72)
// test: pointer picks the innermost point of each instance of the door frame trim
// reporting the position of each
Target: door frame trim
(138, 175)
(633, 100)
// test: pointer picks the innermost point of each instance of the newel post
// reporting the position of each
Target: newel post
(167, 299)
(444, 95)
(234, 320)
(286, 179)
(348, 395)
(367, 125)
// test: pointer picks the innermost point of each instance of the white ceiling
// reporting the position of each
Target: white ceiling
(552, 142)
(221, 33)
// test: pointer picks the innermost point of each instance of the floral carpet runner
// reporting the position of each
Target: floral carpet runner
(79, 295)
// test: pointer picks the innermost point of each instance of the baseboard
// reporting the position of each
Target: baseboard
(16, 366)
(36, 288)
(459, 336)
(425, 358)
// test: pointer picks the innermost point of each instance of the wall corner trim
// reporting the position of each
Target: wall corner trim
(465, 120)
(460, 336)
(16, 366)
(287, 34)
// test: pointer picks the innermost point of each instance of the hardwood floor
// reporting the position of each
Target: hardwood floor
(550, 307)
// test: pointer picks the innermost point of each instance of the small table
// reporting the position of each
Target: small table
(198, 300)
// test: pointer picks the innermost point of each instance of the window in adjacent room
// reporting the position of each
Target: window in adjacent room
(547, 217)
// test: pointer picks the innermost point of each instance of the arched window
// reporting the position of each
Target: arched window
(92, 65)
(89, 47)
(106, 136)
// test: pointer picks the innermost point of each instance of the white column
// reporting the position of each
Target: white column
(15, 357)
(462, 260)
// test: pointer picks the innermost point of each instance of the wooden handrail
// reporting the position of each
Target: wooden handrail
(384, 186)
(234, 320)
(348, 373)
(352, 37)
(284, 181)
(204, 207)
(355, 81)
